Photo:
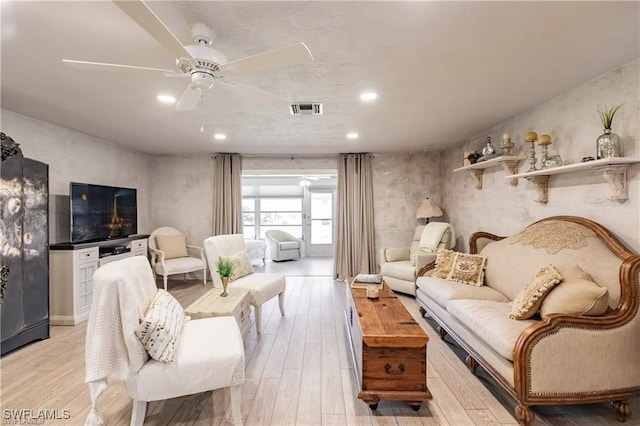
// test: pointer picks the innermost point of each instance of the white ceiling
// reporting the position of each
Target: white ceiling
(443, 70)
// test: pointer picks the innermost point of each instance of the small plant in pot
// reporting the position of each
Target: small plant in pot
(608, 144)
(224, 268)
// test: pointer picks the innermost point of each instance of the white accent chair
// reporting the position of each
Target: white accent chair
(261, 286)
(209, 353)
(399, 266)
(282, 245)
(165, 265)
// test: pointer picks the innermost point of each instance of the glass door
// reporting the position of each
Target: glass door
(319, 222)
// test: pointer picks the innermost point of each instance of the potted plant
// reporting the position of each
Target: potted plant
(608, 144)
(224, 268)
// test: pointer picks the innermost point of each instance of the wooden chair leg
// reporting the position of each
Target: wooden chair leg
(281, 302)
(138, 412)
(236, 400)
(164, 278)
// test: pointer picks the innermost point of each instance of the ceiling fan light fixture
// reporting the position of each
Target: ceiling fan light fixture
(167, 99)
(352, 135)
(220, 136)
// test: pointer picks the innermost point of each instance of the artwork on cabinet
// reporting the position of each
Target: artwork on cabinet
(24, 207)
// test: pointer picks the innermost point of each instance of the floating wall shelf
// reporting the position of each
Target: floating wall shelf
(614, 171)
(508, 162)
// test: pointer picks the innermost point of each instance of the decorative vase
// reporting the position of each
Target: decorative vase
(488, 151)
(225, 283)
(608, 145)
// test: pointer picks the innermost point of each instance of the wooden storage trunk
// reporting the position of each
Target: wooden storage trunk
(389, 348)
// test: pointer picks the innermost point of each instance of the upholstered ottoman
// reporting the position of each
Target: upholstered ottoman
(256, 249)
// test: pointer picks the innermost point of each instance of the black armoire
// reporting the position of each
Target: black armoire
(24, 248)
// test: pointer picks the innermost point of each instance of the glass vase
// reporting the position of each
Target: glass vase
(608, 145)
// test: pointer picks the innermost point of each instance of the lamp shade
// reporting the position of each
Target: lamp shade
(428, 209)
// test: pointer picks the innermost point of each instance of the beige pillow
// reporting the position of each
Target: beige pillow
(172, 245)
(577, 294)
(528, 301)
(396, 254)
(444, 262)
(468, 269)
(160, 330)
(241, 265)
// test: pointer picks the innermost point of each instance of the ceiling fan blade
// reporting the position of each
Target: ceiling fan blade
(116, 67)
(189, 99)
(295, 54)
(140, 12)
(250, 92)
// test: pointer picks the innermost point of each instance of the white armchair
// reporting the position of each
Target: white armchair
(189, 356)
(261, 286)
(282, 245)
(399, 266)
(171, 255)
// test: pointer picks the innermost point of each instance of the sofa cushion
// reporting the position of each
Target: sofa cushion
(577, 294)
(432, 236)
(489, 321)
(468, 269)
(402, 269)
(528, 301)
(241, 265)
(444, 262)
(442, 291)
(289, 245)
(173, 246)
(396, 254)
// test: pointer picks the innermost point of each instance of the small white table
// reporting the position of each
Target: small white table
(256, 249)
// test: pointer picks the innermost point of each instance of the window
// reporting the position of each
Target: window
(273, 213)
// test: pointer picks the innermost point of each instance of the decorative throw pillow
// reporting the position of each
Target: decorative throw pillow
(444, 262)
(577, 294)
(160, 330)
(396, 254)
(528, 301)
(468, 269)
(241, 265)
(173, 246)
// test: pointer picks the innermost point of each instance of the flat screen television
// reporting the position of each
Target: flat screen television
(100, 212)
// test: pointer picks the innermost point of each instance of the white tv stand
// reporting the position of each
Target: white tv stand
(71, 269)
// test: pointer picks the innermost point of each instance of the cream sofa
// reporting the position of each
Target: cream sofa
(563, 358)
(399, 266)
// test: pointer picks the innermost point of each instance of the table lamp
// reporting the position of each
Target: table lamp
(428, 209)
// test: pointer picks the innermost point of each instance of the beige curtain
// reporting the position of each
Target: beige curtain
(355, 243)
(227, 194)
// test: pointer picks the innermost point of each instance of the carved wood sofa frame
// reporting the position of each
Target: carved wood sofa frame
(626, 311)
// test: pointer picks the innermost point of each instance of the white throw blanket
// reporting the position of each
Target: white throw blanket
(432, 235)
(122, 291)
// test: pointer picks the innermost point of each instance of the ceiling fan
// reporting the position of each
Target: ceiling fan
(204, 64)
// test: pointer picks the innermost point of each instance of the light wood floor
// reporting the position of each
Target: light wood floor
(297, 372)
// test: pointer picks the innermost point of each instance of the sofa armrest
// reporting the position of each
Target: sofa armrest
(478, 240)
(422, 259)
(425, 269)
(594, 355)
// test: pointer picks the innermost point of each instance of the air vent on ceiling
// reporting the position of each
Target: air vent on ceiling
(305, 109)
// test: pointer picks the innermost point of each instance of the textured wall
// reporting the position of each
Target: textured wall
(400, 183)
(76, 157)
(573, 123)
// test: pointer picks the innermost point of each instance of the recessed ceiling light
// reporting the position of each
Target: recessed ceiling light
(368, 96)
(167, 99)
(352, 135)
(220, 136)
